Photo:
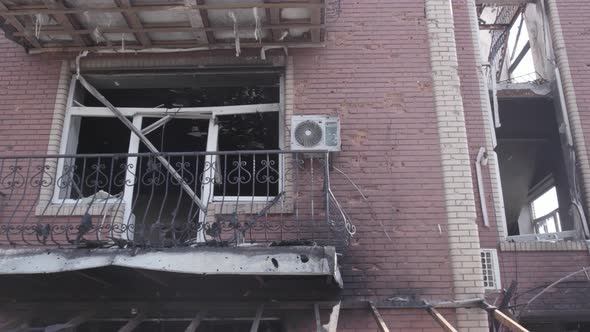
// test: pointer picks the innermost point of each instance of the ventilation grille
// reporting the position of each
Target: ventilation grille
(490, 269)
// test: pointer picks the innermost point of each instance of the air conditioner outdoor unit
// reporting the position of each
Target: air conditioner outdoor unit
(315, 133)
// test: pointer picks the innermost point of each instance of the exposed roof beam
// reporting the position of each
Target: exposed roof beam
(440, 319)
(493, 26)
(378, 318)
(67, 22)
(520, 56)
(197, 19)
(134, 22)
(133, 323)
(72, 323)
(176, 47)
(205, 20)
(178, 7)
(504, 2)
(51, 31)
(192, 327)
(19, 27)
(274, 15)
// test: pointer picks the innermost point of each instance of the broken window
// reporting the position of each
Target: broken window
(545, 212)
(199, 123)
(537, 170)
(515, 42)
(534, 180)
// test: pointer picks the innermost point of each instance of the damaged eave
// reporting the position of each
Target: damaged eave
(122, 26)
(266, 261)
(524, 90)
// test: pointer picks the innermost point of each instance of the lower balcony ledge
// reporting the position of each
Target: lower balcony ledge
(262, 261)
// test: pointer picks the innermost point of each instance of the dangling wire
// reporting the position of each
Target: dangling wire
(236, 32)
(258, 28)
(38, 24)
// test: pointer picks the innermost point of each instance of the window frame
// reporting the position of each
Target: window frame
(495, 264)
(69, 131)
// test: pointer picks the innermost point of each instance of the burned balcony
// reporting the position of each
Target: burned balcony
(170, 200)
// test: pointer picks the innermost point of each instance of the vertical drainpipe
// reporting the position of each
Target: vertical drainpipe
(569, 93)
(489, 124)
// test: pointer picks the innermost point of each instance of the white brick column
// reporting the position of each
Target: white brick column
(456, 165)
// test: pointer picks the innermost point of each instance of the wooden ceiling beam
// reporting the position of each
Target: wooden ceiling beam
(67, 22)
(196, 19)
(274, 15)
(316, 18)
(134, 22)
(180, 7)
(20, 28)
(176, 46)
(163, 28)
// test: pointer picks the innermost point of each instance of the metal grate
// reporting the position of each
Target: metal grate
(490, 269)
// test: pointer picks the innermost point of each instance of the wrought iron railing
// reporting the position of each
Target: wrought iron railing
(170, 200)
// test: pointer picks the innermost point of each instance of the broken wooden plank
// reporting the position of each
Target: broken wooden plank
(192, 327)
(526, 48)
(67, 22)
(332, 325)
(504, 2)
(133, 323)
(256, 322)
(72, 323)
(440, 319)
(161, 7)
(20, 28)
(133, 21)
(508, 322)
(380, 322)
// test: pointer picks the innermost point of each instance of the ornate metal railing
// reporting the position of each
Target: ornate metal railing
(136, 200)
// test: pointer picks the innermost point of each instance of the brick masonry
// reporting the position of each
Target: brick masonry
(456, 163)
(389, 83)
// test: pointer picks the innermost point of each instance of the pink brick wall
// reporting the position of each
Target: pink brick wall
(375, 74)
(534, 271)
(28, 86)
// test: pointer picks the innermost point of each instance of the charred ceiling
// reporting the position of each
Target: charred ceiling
(118, 25)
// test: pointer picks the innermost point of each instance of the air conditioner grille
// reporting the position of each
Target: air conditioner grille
(308, 133)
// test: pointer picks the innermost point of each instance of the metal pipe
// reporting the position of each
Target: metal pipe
(482, 159)
(564, 113)
(497, 122)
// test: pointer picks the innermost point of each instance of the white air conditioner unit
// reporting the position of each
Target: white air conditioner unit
(315, 133)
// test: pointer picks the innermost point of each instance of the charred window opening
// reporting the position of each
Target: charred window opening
(88, 174)
(249, 174)
(534, 180)
(515, 42)
(187, 97)
(195, 126)
(171, 90)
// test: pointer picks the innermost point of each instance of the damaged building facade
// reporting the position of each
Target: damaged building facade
(301, 165)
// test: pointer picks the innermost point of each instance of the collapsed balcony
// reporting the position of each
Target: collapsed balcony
(165, 200)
